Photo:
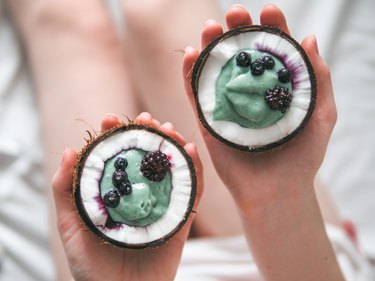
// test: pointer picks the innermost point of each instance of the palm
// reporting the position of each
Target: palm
(86, 253)
(294, 160)
(91, 259)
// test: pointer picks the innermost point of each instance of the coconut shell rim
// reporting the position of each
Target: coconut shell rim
(81, 160)
(199, 65)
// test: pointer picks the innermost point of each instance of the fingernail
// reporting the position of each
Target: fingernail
(63, 157)
(210, 21)
(237, 6)
(145, 115)
(111, 115)
(189, 49)
(168, 125)
(191, 146)
(316, 45)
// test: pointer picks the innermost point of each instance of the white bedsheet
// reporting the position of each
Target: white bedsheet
(24, 224)
(227, 259)
(346, 35)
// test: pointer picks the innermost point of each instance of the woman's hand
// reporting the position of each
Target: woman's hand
(88, 257)
(274, 190)
(295, 164)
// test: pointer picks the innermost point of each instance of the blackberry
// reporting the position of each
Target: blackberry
(155, 166)
(284, 76)
(125, 188)
(278, 98)
(257, 67)
(243, 59)
(119, 177)
(121, 163)
(268, 62)
(111, 198)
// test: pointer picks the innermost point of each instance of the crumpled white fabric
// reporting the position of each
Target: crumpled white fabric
(229, 259)
(24, 224)
(345, 30)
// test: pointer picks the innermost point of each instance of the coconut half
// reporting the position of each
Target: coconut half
(134, 186)
(254, 88)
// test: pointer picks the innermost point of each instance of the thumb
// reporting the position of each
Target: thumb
(67, 216)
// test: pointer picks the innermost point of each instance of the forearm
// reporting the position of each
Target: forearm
(287, 236)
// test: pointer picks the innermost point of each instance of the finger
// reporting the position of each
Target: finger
(190, 57)
(321, 69)
(191, 149)
(237, 16)
(62, 184)
(168, 129)
(210, 31)
(147, 119)
(273, 16)
(109, 121)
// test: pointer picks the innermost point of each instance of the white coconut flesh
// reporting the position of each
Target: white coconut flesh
(276, 45)
(180, 197)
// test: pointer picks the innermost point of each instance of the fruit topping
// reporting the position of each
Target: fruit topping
(278, 98)
(119, 177)
(284, 76)
(111, 198)
(268, 62)
(125, 188)
(121, 163)
(155, 165)
(257, 67)
(243, 59)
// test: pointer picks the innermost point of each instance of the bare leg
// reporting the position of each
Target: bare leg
(79, 72)
(155, 30)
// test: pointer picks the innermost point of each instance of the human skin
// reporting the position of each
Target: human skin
(85, 252)
(275, 193)
(155, 34)
(80, 69)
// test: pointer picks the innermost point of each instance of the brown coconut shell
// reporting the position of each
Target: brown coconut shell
(200, 63)
(92, 142)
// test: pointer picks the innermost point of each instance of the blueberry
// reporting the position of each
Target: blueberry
(111, 198)
(243, 59)
(268, 62)
(284, 76)
(119, 177)
(121, 163)
(257, 67)
(125, 188)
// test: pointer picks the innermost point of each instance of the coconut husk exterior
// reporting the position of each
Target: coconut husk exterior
(199, 65)
(81, 159)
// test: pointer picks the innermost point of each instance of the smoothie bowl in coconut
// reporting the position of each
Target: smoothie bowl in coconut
(134, 186)
(254, 88)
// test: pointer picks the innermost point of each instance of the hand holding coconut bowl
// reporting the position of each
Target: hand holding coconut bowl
(266, 110)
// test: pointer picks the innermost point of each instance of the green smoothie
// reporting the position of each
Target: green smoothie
(147, 201)
(241, 88)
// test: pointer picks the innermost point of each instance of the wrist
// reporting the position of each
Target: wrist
(277, 197)
(287, 231)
